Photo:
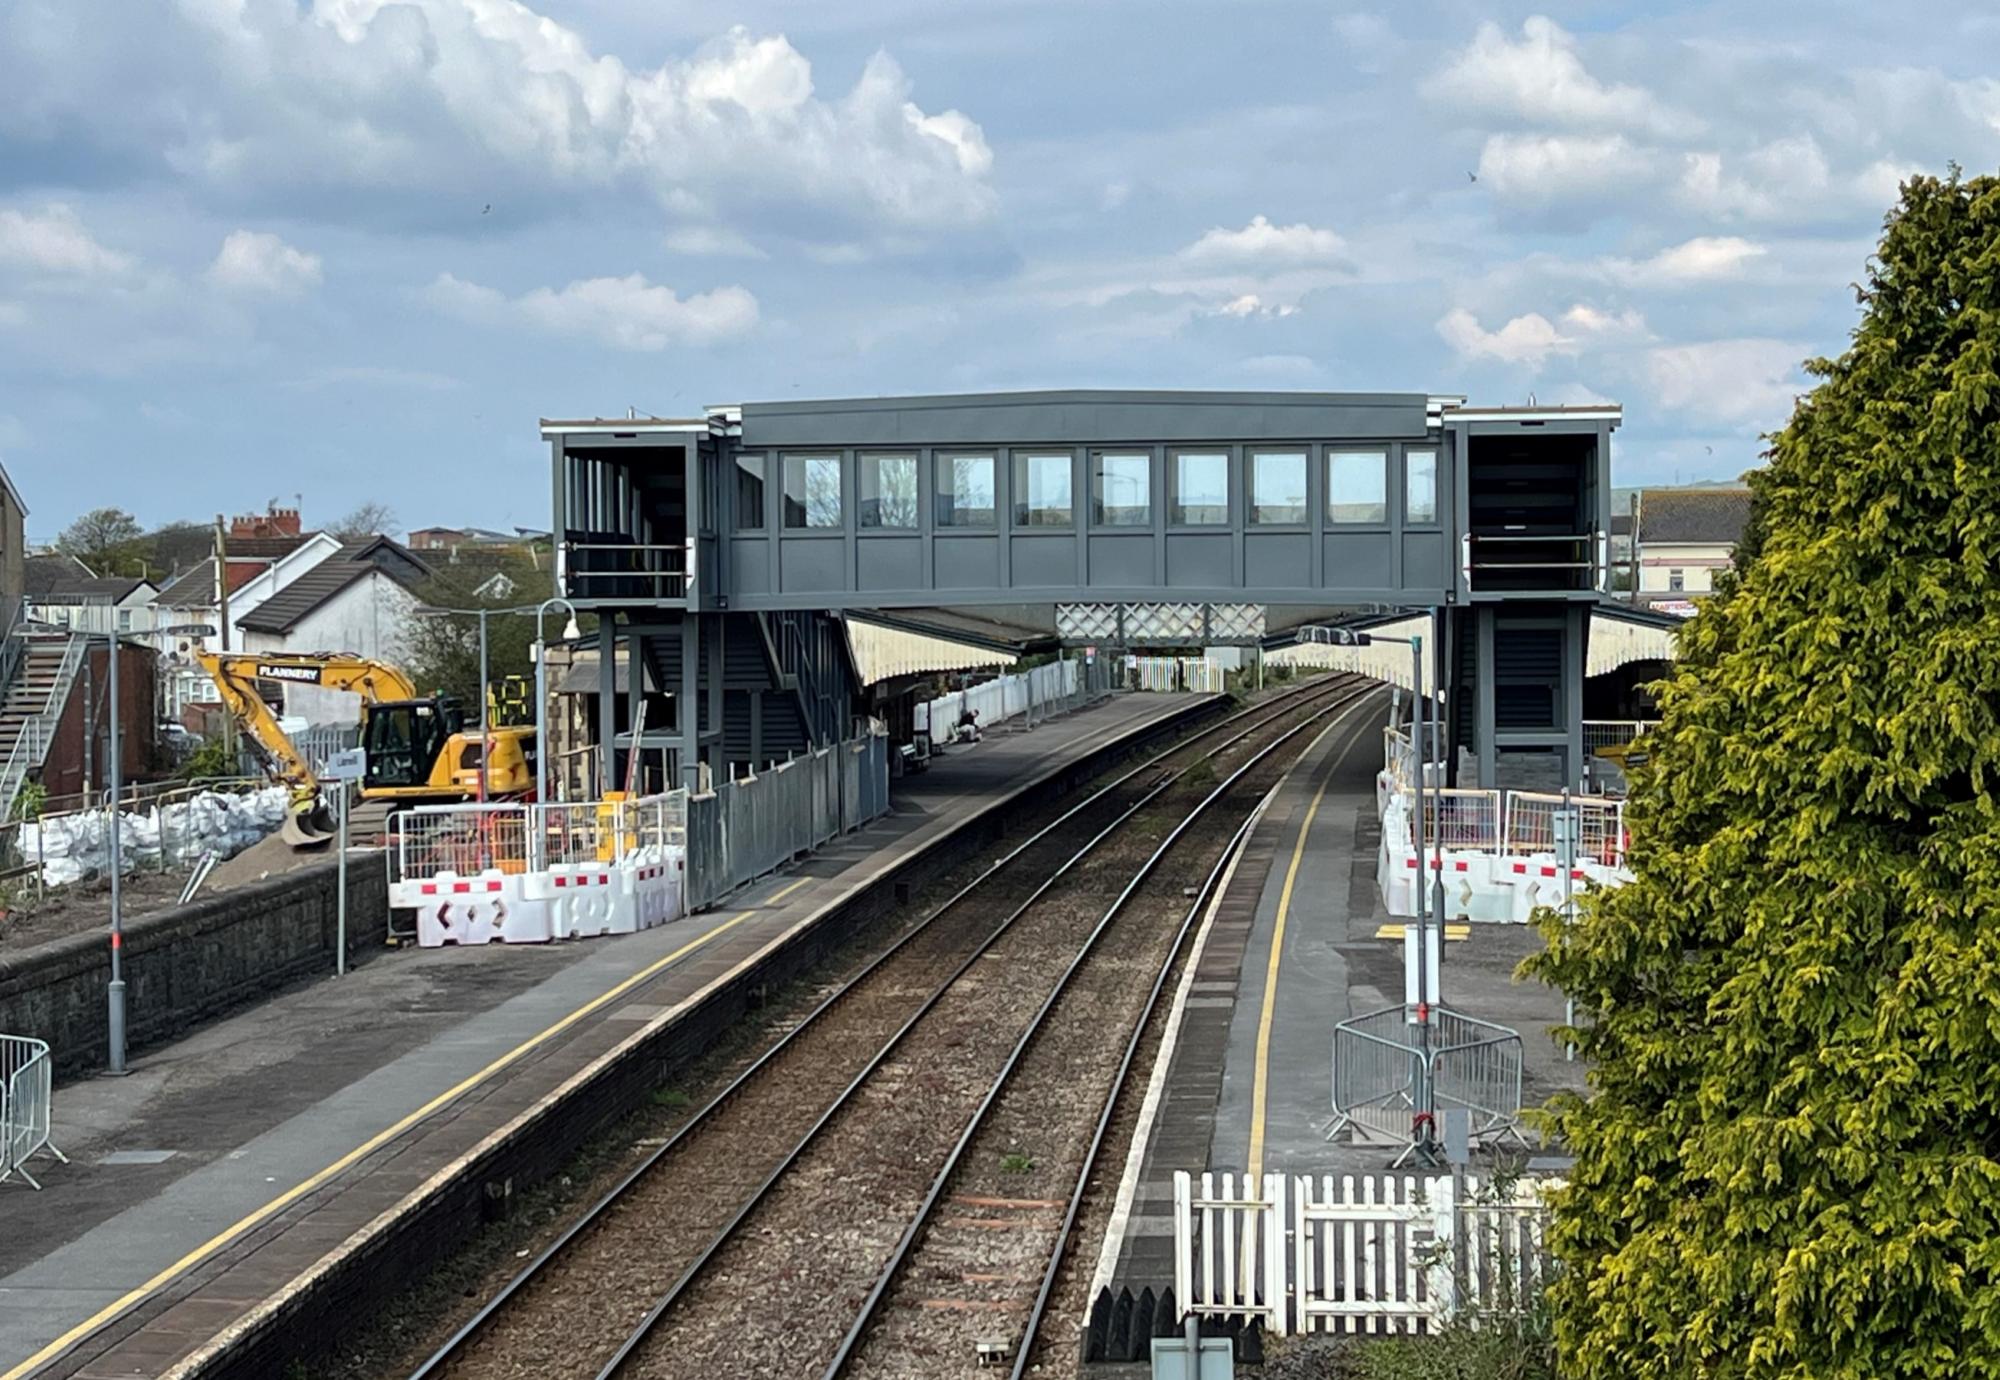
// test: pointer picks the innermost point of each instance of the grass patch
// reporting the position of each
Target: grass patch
(670, 1097)
(1016, 1163)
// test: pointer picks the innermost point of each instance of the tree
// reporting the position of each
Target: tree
(443, 649)
(367, 520)
(99, 538)
(1789, 1162)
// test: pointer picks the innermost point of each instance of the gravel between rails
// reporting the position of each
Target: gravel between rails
(778, 1297)
(972, 1275)
(593, 1293)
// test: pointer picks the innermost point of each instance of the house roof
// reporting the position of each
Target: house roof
(329, 579)
(253, 548)
(1706, 516)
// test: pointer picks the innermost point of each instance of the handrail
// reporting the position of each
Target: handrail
(37, 731)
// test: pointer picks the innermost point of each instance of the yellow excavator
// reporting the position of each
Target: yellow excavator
(419, 752)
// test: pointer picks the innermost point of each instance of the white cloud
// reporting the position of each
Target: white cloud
(711, 241)
(1532, 338)
(1739, 381)
(1788, 179)
(54, 240)
(1251, 305)
(1704, 258)
(252, 261)
(1538, 170)
(1261, 243)
(1541, 80)
(425, 103)
(628, 313)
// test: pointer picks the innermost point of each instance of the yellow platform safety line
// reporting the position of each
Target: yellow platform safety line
(373, 1143)
(1259, 1087)
(1451, 932)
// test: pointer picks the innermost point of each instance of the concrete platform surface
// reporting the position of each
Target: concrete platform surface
(224, 1155)
(1249, 1081)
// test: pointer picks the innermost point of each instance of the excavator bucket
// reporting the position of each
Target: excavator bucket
(308, 827)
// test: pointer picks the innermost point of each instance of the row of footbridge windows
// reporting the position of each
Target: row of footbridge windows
(963, 492)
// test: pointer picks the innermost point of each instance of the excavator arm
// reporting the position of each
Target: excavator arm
(236, 676)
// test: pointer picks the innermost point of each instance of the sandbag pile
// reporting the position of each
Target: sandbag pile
(70, 847)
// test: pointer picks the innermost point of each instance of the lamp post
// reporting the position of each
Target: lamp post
(1425, 940)
(114, 993)
(485, 693)
(570, 633)
(114, 1016)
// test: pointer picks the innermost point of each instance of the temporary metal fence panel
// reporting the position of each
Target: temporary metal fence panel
(460, 840)
(1460, 818)
(1229, 1247)
(1602, 733)
(1358, 1253)
(1392, 1076)
(1377, 1076)
(26, 1101)
(1476, 1065)
(1531, 825)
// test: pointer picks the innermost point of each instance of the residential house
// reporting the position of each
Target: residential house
(61, 590)
(361, 600)
(256, 568)
(1683, 537)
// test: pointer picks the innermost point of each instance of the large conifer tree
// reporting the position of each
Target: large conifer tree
(1789, 1164)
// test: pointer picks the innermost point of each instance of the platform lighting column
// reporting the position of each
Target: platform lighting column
(570, 633)
(115, 993)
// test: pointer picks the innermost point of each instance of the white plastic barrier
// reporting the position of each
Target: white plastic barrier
(584, 899)
(480, 909)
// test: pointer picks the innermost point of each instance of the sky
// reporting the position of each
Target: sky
(348, 251)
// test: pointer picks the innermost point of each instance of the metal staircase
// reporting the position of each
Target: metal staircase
(32, 707)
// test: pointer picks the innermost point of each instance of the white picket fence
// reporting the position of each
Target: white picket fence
(1363, 1254)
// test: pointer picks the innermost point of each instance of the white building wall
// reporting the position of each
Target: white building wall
(370, 618)
(1697, 561)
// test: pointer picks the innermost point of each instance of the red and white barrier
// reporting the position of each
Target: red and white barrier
(481, 909)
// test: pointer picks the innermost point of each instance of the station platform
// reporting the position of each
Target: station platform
(1295, 941)
(234, 1168)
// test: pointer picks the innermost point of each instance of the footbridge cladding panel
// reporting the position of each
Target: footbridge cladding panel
(1495, 519)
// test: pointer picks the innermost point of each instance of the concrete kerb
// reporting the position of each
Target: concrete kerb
(434, 1219)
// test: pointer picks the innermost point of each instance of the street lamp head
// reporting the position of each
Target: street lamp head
(571, 632)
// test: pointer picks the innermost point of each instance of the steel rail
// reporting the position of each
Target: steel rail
(871, 1305)
(454, 1346)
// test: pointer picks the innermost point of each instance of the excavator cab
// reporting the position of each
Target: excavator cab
(405, 737)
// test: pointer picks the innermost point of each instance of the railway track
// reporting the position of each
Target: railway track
(744, 1243)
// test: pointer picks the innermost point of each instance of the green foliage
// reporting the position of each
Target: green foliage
(101, 539)
(1790, 1162)
(444, 649)
(211, 759)
(29, 802)
(670, 1097)
(1014, 1162)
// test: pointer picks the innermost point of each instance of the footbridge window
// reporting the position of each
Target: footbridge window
(1420, 486)
(1357, 486)
(965, 495)
(1122, 489)
(812, 491)
(1201, 488)
(1042, 489)
(1278, 488)
(889, 491)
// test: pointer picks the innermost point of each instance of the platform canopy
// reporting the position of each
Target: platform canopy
(883, 651)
